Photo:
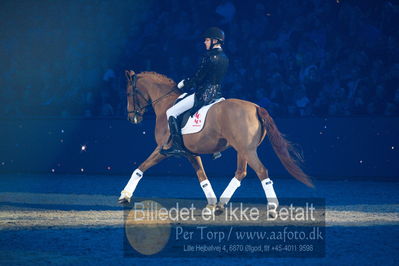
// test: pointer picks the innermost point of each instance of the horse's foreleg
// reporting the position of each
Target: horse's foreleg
(263, 175)
(137, 174)
(203, 179)
(235, 182)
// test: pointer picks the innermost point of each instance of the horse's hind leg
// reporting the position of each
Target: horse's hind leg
(235, 182)
(136, 176)
(203, 179)
(263, 175)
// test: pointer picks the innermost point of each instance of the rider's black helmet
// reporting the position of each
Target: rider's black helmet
(214, 33)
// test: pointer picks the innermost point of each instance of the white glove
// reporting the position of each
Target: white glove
(181, 84)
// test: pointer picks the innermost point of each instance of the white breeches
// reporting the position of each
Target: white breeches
(180, 107)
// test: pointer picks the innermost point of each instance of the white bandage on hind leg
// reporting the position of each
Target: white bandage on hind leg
(208, 191)
(267, 185)
(134, 180)
(229, 191)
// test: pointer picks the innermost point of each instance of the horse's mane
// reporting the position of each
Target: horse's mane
(158, 77)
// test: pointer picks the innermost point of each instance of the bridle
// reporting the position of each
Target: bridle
(137, 108)
(135, 93)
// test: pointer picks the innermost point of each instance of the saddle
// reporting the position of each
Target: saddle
(193, 120)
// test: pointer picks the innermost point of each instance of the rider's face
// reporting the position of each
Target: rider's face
(207, 43)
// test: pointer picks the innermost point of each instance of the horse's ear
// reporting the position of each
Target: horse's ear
(129, 74)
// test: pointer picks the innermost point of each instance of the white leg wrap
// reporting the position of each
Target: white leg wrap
(208, 191)
(132, 184)
(229, 191)
(267, 185)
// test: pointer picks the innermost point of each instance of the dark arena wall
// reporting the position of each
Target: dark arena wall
(363, 147)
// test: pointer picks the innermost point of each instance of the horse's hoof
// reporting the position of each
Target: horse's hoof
(219, 209)
(123, 201)
(211, 207)
(272, 215)
(125, 198)
(272, 210)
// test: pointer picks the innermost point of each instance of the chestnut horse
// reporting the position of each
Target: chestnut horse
(230, 123)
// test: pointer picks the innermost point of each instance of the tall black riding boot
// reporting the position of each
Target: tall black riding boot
(177, 148)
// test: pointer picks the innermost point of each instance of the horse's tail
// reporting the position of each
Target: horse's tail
(287, 154)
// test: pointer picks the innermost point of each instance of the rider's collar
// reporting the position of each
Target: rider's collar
(216, 49)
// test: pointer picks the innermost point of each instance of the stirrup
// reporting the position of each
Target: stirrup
(174, 151)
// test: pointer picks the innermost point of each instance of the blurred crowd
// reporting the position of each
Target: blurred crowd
(295, 58)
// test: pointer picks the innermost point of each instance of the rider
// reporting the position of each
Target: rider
(206, 83)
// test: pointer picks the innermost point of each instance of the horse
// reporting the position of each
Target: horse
(234, 123)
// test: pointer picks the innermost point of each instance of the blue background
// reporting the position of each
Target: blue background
(333, 148)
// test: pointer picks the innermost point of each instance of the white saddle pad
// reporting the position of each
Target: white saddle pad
(196, 122)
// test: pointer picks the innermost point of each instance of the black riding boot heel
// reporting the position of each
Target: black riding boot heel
(177, 148)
